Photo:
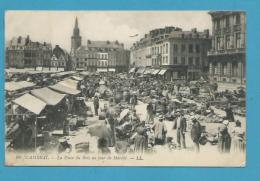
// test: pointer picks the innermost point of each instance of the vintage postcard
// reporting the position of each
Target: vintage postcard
(125, 88)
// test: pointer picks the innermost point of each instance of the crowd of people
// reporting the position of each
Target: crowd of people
(116, 100)
(143, 134)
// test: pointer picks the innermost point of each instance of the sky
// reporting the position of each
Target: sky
(56, 27)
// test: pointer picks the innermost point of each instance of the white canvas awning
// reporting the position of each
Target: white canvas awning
(162, 72)
(73, 84)
(132, 70)
(48, 96)
(111, 69)
(156, 71)
(77, 78)
(30, 103)
(14, 86)
(64, 89)
(102, 70)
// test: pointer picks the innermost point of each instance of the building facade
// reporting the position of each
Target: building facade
(227, 56)
(60, 59)
(23, 53)
(100, 56)
(183, 54)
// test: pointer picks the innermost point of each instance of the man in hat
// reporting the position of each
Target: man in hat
(180, 125)
(224, 138)
(196, 133)
(96, 104)
(160, 131)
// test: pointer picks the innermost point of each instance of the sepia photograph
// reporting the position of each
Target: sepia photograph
(125, 88)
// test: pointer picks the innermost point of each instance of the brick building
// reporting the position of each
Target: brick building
(181, 54)
(23, 53)
(227, 55)
(101, 56)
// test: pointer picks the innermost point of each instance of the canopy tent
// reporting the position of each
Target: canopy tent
(156, 71)
(77, 78)
(85, 73)
(162, 72)
(111, 69)
(140, 70)
(48, 96)
(30, 103)
(148, 71)
(102, 70)
(73, 84)
(64, 89)
(14, 86)
(60, 74)
(132, 70)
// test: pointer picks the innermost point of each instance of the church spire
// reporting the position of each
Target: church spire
(75, 38)
(76, 23)
(76, 28)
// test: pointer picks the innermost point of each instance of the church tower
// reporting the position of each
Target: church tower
(75, 38)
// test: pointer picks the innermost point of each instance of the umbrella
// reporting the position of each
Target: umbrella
(123, 114)
(99, 130)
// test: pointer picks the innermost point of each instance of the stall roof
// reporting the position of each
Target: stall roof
(140, 70)
(30, 103)
(132, 70)
(13, 86)
(77, 78)
(48, 96)
(60, 74)
(162, 72)
(85, 73)
(102, 70)
(156, 71)
(148, 71)
(111, 69)
(64, 89)
(73, 84)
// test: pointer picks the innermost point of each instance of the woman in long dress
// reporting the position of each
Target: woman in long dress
(238, 138)
(224, 139)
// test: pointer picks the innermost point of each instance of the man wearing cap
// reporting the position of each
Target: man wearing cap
(180, 124)
(160, 131)
(224, 138)
(196, 133)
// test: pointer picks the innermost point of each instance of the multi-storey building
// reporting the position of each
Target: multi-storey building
(227, 55)
(60, 59)
(101, 56)
(182, 54)
(24, 53)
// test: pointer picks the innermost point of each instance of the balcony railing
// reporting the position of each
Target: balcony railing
(226, 51)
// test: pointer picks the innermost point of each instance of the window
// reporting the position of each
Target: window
(175, 48)
(183, 48)
(190, 48)
(197, 48)
(183, 60)
(190, 61)
(238, 19)
(175, 60)
(166, 47)
(224, 69)
(228, 41)
(197, 61)
(217, 24)
(227, 22)
(218, 43)
(238, 40)
(166, 60)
